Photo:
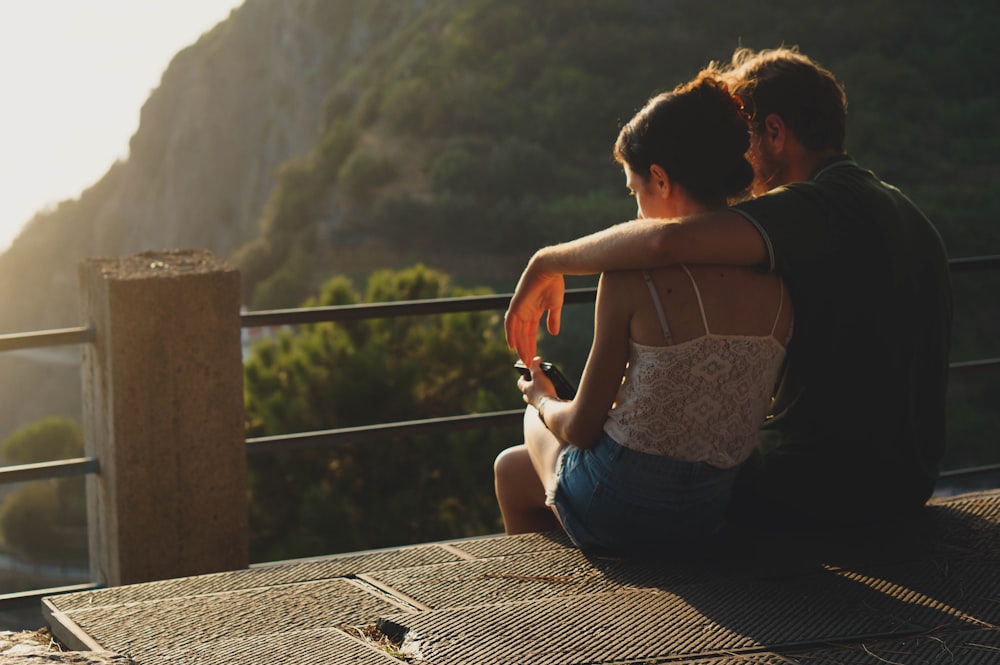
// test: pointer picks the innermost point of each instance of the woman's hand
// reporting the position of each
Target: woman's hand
(538, 386)
(537, 292)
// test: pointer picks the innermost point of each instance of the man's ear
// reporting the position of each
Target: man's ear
(775, 132)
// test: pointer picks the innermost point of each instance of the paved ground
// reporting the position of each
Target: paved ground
(921, 592)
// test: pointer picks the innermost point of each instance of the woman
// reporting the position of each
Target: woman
(682, 367)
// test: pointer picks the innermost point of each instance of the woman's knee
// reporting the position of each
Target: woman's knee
(511, 463)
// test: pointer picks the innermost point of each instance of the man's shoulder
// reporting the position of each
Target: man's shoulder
(793, 200)
(841, 188)
(847, 174)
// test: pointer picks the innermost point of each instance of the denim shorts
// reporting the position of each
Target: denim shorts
(614, 499)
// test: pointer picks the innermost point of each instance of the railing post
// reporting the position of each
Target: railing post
(163, 413)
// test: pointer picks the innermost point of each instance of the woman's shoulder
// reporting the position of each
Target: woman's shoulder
(736, 281)
(629, 278)
(711, 271)
(621, 279)
(627, 283)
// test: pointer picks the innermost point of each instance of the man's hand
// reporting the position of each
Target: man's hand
(537, 292)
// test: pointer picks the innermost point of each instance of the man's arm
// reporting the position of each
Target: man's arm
(720, 236)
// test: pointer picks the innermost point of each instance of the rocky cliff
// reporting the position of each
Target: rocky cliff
(229, 109)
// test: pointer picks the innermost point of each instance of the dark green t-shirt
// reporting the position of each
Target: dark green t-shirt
(859, 414)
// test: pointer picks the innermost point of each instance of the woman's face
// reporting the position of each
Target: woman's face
(649, 197)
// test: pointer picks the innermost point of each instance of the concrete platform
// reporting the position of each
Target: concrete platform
(926, 591)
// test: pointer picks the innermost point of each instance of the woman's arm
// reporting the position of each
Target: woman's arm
(720, 236)
(580, 421)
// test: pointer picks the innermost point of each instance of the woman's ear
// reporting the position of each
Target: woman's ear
(659, 180)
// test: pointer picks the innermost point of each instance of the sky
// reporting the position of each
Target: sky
(74, 75)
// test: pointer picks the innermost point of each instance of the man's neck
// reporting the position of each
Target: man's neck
(808, 161)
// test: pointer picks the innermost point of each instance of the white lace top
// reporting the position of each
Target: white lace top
(702, 400)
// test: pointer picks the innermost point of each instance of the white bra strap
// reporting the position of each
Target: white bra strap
(646, 275)
(697, 293)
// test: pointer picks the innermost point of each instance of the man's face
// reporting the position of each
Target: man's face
(768, 168)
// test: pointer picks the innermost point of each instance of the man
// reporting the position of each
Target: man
(857, 428)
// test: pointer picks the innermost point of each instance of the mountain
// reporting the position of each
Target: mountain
(228, 111)
(306, 138)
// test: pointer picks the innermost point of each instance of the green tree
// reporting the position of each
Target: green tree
(46, 519)
(362, 173)
(43, 441)
(378, 493)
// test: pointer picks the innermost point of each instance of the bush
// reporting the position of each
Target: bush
(46, 519)
(361, 495)
(43, 441)
(361, 174)
(28, 517)
(458, 168)
(401, 219)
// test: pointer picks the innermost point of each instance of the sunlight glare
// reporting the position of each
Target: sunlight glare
(75, 75)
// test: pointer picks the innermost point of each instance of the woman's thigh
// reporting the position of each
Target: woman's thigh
(543, 447)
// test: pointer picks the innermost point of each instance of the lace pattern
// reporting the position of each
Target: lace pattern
(703, 400)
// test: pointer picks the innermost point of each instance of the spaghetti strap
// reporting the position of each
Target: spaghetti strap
(646, 275)
(777, 317)
(697, 293)
(781, 301)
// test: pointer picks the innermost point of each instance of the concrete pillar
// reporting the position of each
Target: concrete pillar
(163, 413)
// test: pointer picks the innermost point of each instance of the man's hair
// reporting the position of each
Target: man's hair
(782, 81)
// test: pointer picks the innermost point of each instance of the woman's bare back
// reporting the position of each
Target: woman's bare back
(737, 301)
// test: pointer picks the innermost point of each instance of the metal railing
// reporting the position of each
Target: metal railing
(44, 338)
(59, 468)
(969, 263)
(312, 315)
(20, 600)
(340, 313)
(79, 466)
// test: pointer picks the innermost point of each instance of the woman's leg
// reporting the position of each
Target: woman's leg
(520, 475)
(542, 445)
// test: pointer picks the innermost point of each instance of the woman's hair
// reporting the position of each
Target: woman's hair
(695, 133)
